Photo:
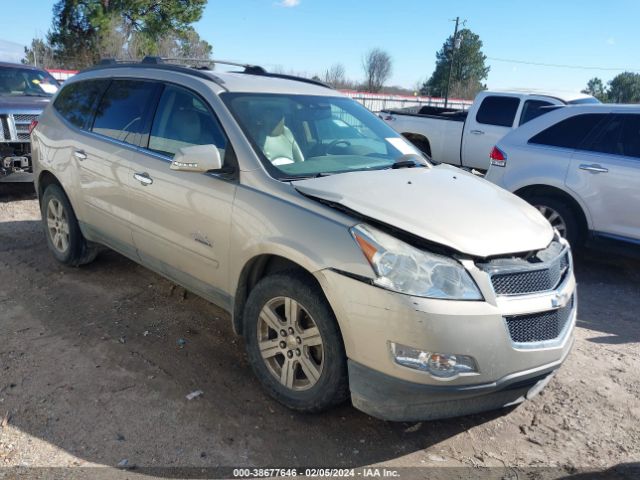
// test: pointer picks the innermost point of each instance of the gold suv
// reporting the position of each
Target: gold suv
(353, 266)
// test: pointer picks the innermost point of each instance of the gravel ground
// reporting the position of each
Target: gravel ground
(95, 364)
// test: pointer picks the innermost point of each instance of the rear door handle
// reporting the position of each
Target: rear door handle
(593, 168)
(80, 155)
(477, 132)
(143, 178)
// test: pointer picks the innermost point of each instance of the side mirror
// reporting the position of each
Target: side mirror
(197, 158)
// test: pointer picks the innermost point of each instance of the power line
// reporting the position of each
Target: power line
(558, 65)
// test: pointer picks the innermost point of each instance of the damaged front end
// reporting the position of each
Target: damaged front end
(15, 147)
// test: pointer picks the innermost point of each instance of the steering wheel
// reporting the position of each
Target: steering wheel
(335, 143)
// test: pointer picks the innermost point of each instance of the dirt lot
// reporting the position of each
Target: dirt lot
(95, 364)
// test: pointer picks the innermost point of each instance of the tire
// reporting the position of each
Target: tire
(298, 391)
(420, 143)
(69, 246)
(550, 206)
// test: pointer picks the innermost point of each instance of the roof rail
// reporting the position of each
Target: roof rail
(159, 65)
(248, 68)
(295, 78)
(202, 64)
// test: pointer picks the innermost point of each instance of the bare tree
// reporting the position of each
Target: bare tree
(335, 76)
(377, 69)
(39, 54)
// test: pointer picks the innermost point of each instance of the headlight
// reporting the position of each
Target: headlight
(405, 269)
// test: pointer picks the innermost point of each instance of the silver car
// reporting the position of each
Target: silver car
(352, 266)
(580, 166)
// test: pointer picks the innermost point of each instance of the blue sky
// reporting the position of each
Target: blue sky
(310, 35)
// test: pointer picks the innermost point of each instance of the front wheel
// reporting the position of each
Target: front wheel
(294, 344)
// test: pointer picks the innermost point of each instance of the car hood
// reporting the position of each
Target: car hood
(9, 103)
(441, 204)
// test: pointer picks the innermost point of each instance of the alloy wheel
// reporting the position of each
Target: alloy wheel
(58, 225)
(554, 218)
(290, 343)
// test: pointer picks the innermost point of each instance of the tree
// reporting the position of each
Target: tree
(468, 68)
(74, 34)
(39, 54)
(596, 88)
(624, 88)
(335, 76)
(377, 69)
(183, 45)
(83, 30)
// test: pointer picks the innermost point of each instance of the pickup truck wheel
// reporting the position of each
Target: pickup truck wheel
(560, 215)
(293, 343)
(64, 238)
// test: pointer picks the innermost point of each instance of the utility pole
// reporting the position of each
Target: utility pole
(453, 52)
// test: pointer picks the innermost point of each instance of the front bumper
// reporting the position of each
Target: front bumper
(371, 317)
(15, 162)
(389, 398)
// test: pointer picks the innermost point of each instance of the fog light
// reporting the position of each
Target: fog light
(439, 365)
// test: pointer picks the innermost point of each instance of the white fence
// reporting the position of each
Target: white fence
(62, 75)
(377, 101)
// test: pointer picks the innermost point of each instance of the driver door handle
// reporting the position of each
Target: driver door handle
(477, 132)
(143, 178)
(593, 168)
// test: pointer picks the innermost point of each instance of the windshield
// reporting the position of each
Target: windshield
(299, 136)
(16, 81)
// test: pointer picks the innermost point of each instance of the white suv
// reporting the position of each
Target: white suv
(580, 166)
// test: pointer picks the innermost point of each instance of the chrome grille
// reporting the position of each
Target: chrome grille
(22, 122)
(15, 127)
(4, 123)
(535, 272)
(531, 281)
(24, 117)
(539, 327)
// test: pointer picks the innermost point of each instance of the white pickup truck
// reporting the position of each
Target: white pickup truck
(465, 139)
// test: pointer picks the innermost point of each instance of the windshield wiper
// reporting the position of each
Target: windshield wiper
(404, 164)
(410, 160)
(305, 177)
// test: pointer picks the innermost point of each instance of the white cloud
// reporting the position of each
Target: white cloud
(288, 3)
(611, 41)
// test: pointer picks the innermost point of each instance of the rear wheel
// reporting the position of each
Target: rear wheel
(294, 344)
(64, 238)
(420, 142)
(561, 215)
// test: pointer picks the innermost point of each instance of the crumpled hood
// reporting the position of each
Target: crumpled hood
(442, 204)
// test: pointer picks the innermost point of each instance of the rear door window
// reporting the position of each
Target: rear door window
(570, 132)
(498, 110)
(621, 136)
(183, 120)
(76, 101)
(124, 111)
(534, 108)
